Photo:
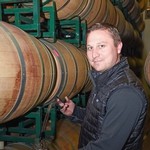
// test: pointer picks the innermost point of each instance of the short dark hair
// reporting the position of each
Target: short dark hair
(110, 28)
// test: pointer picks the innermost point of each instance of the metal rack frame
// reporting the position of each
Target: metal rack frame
(28, 19)
(28, 128)
(31, 24)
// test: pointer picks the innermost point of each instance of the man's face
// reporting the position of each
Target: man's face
(101, 52)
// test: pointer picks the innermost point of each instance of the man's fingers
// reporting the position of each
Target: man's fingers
(63, 106)
(60, 103)
(67, 99)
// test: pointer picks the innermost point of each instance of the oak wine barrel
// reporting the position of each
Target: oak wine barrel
(33, 72)
(72, 72)
(24, 77)
(90, 10)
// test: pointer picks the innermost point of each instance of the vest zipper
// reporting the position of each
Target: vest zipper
(93, 98)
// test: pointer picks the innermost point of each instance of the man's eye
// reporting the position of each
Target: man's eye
(89, 48)
(101, 46)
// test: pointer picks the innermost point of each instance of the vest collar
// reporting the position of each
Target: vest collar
(101, 78)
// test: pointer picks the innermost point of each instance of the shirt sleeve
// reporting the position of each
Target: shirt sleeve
(78, 114)
(123, 111)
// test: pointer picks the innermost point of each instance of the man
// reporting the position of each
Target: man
(116, 109)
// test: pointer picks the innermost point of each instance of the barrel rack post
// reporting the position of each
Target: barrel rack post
(72, 31)
(28, 128)
(29, 18)
(81, 99)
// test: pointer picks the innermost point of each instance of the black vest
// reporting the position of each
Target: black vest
(105, 84)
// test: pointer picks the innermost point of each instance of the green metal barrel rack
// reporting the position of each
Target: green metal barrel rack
(32, 127)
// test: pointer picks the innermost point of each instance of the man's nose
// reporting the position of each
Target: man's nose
(95, 53)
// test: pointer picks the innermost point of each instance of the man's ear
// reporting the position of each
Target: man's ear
(119, 47)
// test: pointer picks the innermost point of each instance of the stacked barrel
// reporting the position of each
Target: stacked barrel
(125, 15)
(34, 71)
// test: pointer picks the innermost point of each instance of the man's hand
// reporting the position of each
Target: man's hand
(67, 107)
